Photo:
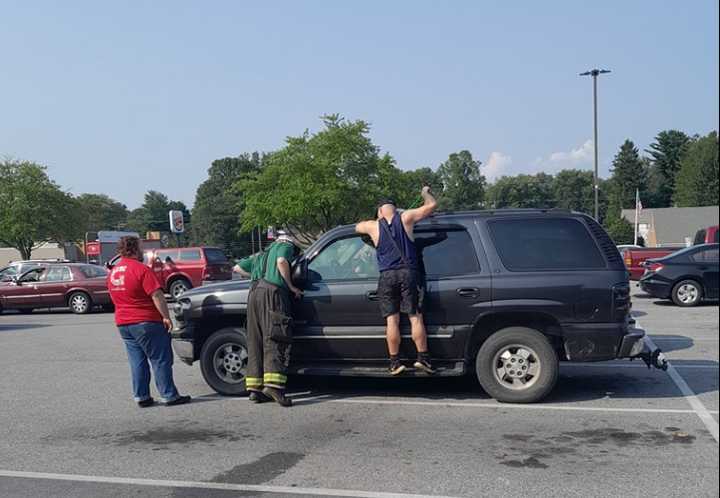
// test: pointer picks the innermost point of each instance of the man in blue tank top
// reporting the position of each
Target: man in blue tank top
(399, 284)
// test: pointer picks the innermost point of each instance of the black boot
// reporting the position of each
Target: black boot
(258, 397)
(278, 395)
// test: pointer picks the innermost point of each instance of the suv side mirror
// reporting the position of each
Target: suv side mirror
(300, 272)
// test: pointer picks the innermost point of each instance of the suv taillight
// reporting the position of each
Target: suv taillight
(621, 301)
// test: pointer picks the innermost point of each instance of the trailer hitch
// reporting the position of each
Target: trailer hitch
(654, 358)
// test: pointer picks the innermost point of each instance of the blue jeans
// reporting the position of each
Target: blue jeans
(149, 341)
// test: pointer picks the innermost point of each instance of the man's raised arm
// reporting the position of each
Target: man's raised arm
(422, 212)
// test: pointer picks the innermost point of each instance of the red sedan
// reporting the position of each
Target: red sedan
(77, 286)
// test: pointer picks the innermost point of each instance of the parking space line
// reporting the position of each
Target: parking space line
(702, 412)
(210, 485)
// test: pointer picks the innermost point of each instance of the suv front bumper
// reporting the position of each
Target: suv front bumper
(632, 344)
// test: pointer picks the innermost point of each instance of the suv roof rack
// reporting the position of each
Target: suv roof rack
(489, 212)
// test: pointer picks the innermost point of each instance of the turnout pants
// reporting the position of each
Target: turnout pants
(269, 328)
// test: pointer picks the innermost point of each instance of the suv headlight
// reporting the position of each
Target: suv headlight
(180, 306)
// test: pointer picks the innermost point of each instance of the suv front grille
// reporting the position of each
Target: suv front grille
(606, 244)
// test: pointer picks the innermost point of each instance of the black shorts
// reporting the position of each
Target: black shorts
(400, 291)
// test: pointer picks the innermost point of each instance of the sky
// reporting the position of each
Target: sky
(123, 97)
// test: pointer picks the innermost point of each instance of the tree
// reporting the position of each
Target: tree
(522, 191)
(152, 216)
(628, 176)
(100, 212)
(573, 189)
(697, 180)
(319, 181)
(33, 208)
(667, 152)
(620, 230)
(463, 184)
(218, 206)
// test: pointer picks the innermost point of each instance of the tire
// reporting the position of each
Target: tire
(687, 293)
(223, 361)
(178, 287)
(529, 350)
(79, 303)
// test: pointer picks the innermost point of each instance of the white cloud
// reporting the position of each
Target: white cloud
(495, 166)
(556, 161)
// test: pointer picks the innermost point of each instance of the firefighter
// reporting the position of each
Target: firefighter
(269, 320)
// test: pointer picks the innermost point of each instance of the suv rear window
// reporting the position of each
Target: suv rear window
(446, 253)
(214, 256)
(545, 244)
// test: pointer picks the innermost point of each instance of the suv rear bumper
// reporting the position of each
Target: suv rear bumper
(602, 341)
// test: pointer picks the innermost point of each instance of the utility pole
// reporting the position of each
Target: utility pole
(595, 73)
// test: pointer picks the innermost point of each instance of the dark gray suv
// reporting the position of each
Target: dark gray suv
(510, 294)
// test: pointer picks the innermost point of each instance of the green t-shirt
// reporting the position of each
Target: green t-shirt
(254, 264)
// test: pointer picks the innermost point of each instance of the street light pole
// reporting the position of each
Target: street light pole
(594, 73)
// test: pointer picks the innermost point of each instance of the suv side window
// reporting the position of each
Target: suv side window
(545, 244)
(344, 259)
(190, 255)
(446, 253)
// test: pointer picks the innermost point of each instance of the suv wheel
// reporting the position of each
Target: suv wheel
(223, 361)
(79, 303)
(178, 287)
(517, 365)
(687, 293)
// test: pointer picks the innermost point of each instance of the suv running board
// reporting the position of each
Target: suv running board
(444, 369)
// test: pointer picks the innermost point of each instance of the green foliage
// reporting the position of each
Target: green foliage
(463, 186)
(100, 212)
(573, 189)
(152, 216)
(628, 175)
(666, 154)
(319, 181)
(218, 206)
(697, 180)
(33, 209)
(522, 191)
(620, 230)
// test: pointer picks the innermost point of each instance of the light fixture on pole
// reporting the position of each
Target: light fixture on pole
(594, 73)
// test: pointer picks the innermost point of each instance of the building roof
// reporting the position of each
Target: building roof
(673, 225)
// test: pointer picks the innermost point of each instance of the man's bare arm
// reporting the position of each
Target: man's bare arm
(364, 227)
(284, 268)
(429, 205)
(241, 272)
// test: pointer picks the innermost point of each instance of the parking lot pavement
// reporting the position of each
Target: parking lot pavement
(608, 429)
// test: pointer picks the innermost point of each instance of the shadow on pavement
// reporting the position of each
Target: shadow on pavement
(11, 327)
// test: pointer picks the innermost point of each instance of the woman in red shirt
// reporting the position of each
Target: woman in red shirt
(142, 317)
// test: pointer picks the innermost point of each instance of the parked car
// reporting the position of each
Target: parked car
(709, 235)
(180, 269)
(510, 293)
(635, 258)
(78, 286)
(16, 268)
(687, 277)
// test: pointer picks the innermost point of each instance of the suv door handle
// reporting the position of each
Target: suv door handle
(468, 291)
(372, 295)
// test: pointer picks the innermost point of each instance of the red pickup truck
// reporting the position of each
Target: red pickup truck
(181, 269)
(634, 258)
(709, 235)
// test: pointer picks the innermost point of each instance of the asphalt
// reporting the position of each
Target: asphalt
(69, 427)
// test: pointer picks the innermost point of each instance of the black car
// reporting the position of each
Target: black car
(687, 276)
(510, 293)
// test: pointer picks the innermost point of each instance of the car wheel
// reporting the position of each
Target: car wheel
(687, 293)
(79, 303)
(517, 365)
(223, 361)
(178, 287)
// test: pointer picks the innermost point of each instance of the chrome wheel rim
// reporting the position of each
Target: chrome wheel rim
(79, 303)
(517, 367)
(230, 362)
(687, 293)
(179, 289)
